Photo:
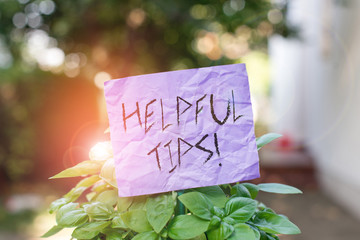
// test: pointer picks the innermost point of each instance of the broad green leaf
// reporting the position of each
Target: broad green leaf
(187, 226)
(220, 233)
(278, 188)
(117, 222)
(108, 172)
(147, 236)
(242, 232)
(256, 233)
(240, 209)
(159, 210)
(84, 184)
(58, 203)
(89, 230)
(83, 168)
(136, 220)
(265, 139)
(218, 211)
(214, 222)
(139, 202)
(124, 203)
(70, 215)
(113, 234)
(240, 190)
(200, 237)
(215, 194)
(198, 204)
(98, 210)
(252, 188)
(54, 230)
(273, 223)
(109, 197)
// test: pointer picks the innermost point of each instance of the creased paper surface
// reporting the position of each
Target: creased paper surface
(182, 129)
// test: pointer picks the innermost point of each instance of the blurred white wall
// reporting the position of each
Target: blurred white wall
(316, 91)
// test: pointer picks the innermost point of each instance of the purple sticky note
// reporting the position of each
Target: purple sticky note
(182, 129)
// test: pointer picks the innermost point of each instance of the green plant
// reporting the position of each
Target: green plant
(214, 213)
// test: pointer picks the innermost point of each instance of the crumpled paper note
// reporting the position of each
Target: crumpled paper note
(182, 129)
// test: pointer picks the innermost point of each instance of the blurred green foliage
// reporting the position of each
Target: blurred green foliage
(45, 40)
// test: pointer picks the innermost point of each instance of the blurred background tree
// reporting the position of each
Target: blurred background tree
(55, 56)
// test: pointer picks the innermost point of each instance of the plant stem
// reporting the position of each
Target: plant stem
(180, 208)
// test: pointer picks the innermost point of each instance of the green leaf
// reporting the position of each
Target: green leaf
(84, 184)
(221, 233)
(265, 139)
(113, 234)
(117, 222)
(215, 194)
(200, 237)
(83, 168)
(242, 232)
(273, 223)
(187, 226)
(98, 210)
(58, 203)
(240, 190)
(136, 220)
(54, 230)
(139, 202)
(198, 204)
(89, 230)
(214, 222)
(240, 209)
(124, 203)
(278, 188)
(218, 211)
(252, 188)
(147, 236)
(71, 216)
(109, 197)
(159, 210)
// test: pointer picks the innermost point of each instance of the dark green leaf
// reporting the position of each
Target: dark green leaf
(220, 233)
(240, 209)
(198, 204)
(54, 230)
(187, 226)
(278, 188)
(265, 139)
(273, 223)
(89, 230)
(136, 220)
(252, 188)
(215, 194)
(70, 215)
(159, 210)
(113, 234)
(147, 236)
(240, 190)
(242, 232)
(98, 210)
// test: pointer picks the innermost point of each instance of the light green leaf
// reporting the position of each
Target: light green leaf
(221, 233)
(117, 222)
(214, 222)
(240, 209)
(242, 232)
(265, 139)
(159, 210)
(278, 188)
(198, 204)
(215, 194)
(124, 203)
(71, 216)
(187, 226)
(89, 230)
(109, 197)
(58, 203)
(136, 220)
(200, 237)
(83, 168)
(240, 190)
(139, 202)
(273, 223)
(84, 184)
(147, 236)
(98, 210)
(54, 230)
